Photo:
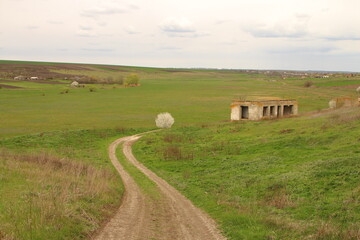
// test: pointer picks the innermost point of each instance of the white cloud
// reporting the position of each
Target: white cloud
(177, 25)
(55, 22)
(230, 43)
(85, 27)
(279, 31)
(295, 27)
(180, 28)
(343, 38)
(171, 48)
(223, 21)
(102, 24)
(187, 34)
(86, 33)
(107, 9)
(131, 30)
(32, 27)
(303, 50)
(98, 49)
(93, 12)
(133, 6)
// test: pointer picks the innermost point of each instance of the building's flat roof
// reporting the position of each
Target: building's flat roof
(263, 101)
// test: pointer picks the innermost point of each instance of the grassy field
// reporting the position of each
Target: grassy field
(192, 96)
(295, 178)
(57, 185)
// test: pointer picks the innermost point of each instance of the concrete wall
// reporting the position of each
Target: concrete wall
(296, 109)
(332, 103)
(273, 109)
(235, 113)
(255, 112)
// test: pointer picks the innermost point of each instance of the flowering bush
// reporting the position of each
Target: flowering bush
(164, 120)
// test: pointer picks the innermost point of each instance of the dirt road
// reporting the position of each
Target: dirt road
(170, 217)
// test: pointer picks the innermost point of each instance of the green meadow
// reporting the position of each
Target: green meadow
(191, 96)
(293, 178)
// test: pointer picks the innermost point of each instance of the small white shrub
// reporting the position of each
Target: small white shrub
(358, 90)
(164, 120)
(74, 84)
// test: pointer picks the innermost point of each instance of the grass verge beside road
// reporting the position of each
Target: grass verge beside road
(58, 185)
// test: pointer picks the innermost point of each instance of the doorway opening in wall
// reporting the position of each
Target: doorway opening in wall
(278, 110)
(265, 111)
(272, 110)
(288, 109)
(244, 112)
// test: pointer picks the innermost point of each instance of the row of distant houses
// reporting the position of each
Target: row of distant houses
(22, 78)
(297, 74)
(321, 76)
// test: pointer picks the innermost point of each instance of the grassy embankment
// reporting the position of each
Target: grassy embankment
(57, 185)
(295, 178)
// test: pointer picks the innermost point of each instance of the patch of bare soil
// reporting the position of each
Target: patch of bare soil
(8, 86)
(172, 216)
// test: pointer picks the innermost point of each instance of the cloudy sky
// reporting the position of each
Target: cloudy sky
(257, 34)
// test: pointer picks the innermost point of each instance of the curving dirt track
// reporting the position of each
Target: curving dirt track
(170, 216)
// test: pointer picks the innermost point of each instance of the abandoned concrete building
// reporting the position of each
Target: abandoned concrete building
(263, 109)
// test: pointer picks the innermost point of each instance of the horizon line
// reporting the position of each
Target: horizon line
(187, 68)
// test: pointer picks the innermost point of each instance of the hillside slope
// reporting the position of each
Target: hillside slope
(295, 178)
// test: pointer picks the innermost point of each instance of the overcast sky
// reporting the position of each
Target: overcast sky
(257, 34)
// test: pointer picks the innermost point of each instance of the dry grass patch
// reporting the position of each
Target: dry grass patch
(287, 224)
(345, 116)
(53, 196)
(308, 84)
(170, 138)
(278, 197)
(328, 231)
(175, 152)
